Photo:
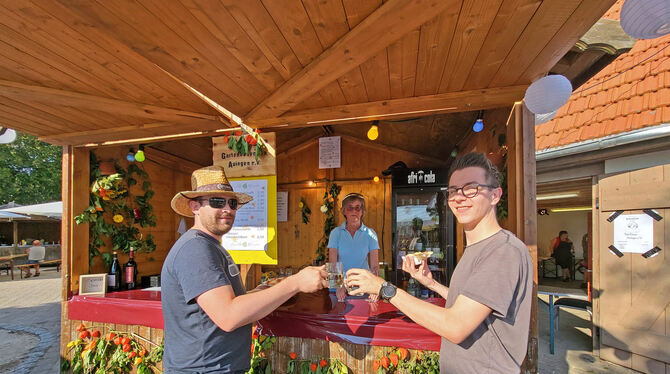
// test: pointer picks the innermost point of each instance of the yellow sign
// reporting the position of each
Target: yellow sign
(238, 165)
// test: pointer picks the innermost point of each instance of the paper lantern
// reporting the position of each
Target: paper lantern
(545, 117)
(646, 19)
(548, 94)
(7, 135)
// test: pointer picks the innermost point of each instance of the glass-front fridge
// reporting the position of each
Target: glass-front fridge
(423, 225)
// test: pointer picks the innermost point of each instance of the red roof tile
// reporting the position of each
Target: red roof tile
(630, 93)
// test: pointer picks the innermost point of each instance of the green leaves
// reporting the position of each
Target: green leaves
(329, 198)
(30, 171)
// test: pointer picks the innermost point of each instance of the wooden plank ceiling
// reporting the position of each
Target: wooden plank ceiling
(107, 70)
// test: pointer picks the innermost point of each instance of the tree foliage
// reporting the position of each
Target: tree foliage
(30, 171)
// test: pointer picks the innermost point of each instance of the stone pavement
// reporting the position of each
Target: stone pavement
(30, 332)
(30, 323)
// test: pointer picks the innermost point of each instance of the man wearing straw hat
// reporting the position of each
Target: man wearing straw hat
(206, 311)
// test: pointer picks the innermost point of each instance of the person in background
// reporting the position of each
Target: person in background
(352, 243)
(35, 256)
(485, 322)
(556, 241)
(564, 254)
(207, 312)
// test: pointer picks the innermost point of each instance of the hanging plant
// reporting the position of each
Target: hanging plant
(305, 210)
(329, 198)
(246, 144)
(115, 213)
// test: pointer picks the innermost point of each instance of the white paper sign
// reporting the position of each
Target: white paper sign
(250, 232)
(282, 206)
(329, 152)
(634, 233)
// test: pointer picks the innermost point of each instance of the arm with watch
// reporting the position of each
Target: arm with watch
(454, 324)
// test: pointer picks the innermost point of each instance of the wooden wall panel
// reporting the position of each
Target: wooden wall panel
(298, 241)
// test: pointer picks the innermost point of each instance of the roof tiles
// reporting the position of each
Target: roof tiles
(630, 93)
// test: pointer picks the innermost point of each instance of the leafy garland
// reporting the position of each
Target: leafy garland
(305, 210)
(502, 207)
(329, 198)
(259, 361)
(115, 213)
(244, 144)
(319, 366)
(117, 352)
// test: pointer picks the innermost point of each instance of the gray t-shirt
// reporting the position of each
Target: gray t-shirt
(498, 273)
(196, 264)
(36, 253)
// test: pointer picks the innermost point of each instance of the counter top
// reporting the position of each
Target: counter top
(315, 316)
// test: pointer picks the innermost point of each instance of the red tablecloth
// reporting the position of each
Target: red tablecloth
(316, 316)
(320, 316)
(134, 307)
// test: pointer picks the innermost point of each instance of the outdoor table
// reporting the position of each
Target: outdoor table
(10, 259)
(557, 292)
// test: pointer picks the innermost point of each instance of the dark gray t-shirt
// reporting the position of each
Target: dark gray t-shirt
(498, 273)
(193, 343)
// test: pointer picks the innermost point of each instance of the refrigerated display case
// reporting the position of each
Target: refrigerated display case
(421, 222)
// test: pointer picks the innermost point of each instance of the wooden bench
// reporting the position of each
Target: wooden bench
(49, 262)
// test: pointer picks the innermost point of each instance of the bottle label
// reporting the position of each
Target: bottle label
(130, 274)
(111, 280)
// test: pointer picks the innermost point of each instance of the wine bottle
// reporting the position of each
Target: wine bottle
(114, 275)
(130, 270)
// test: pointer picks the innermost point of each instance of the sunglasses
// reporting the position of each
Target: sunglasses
(219, 202)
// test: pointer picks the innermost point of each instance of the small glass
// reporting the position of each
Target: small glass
(335, 276)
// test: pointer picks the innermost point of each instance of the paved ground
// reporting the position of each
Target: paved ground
(30, 332)
(30, 323)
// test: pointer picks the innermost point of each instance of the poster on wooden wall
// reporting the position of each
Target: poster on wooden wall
(253, 238)
(238, 165)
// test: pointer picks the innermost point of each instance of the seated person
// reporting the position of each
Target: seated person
(563, 254)
(35, 256)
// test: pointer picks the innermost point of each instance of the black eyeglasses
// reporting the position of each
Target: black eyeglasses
(219, 202)
(469, 190)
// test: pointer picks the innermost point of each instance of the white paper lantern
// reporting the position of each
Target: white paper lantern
(646, 19)
(545, 117)
(8, 136)
(548, 94)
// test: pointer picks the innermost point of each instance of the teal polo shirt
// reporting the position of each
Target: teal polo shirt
(353, 251)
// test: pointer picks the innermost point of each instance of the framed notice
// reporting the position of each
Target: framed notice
(253, 238)
(282, 206)
(93, 284)
(329, 152)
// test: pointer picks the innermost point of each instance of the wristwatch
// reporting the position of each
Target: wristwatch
(387, 291)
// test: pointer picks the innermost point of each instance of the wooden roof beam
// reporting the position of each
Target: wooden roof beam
(50, 96)
(400, 108)
(139, 133)
(388, 23)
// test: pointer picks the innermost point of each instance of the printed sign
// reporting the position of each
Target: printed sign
(282, 206)
(329, 152)
(238, 165)
(93, 284)
(634, 233)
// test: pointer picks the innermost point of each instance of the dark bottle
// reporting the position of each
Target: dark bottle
(114, 275)
(130, 271)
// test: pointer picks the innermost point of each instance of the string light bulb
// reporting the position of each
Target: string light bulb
(376, 179)
(479, 123)
(139, 156)
(130, 156)
(373, 132)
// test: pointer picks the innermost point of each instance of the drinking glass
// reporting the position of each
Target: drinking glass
(335, 276)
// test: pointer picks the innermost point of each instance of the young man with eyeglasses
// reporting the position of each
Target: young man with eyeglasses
(206, 311)
(484, 324)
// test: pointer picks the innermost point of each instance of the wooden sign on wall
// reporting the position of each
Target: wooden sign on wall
(238, 165)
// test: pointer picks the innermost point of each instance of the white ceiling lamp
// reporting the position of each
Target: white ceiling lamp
(564, 195)
(545, 117)
(548, 94)
(646, 19)
(7, 135)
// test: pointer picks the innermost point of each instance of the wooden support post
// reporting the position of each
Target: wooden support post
(15, 235)
(523, 206)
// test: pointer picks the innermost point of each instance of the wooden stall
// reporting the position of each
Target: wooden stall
(101, 78)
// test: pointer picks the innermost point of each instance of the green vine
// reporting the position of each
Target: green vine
(329, 198)
(115, 213)
(259, 362)
(305, 210)
(318, 366)
(502, 208)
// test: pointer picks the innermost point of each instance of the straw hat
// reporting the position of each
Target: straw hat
(207, 181)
